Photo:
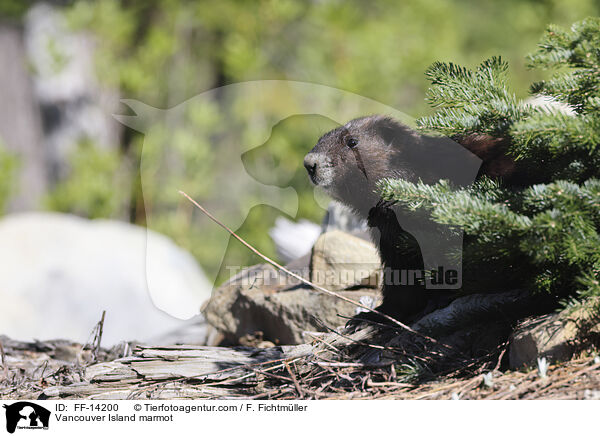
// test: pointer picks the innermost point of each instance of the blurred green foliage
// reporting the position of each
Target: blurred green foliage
(95, 185)
(8, 170)
(163, 52)
(14, 9)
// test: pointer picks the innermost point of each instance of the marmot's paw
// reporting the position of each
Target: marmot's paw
(381, 213)
(364, 319)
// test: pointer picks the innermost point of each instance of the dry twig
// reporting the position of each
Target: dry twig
(4, 365)
(303, 280)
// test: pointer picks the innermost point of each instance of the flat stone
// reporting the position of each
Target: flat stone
(260, 299)
(341, 261)
(554, 336)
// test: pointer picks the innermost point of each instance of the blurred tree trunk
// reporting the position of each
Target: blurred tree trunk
(20, 120)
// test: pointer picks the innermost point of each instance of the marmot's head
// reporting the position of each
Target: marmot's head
(348, 162)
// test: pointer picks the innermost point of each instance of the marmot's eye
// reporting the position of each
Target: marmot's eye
(351, 142)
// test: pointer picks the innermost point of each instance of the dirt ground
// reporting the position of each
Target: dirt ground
(32, 370)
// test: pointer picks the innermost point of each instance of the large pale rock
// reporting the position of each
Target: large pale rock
(261, 299)
(341, 261)
(59, 272)
(296, 239)
(554, 336)
(293, 240)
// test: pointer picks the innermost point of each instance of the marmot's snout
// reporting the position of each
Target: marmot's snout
(310, 163)
(319, 168)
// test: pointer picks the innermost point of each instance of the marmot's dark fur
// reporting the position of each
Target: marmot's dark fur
(347, 162)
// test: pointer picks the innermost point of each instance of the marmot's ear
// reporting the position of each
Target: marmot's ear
(387, 129)
(391, 131)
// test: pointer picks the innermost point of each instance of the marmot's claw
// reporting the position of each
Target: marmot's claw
(385, 203)
(365, 318)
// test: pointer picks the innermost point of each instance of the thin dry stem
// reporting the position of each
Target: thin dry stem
(4, 365)
(302, 279)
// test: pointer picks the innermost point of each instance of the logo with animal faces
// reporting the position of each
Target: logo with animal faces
(24, 415)
(205, 147)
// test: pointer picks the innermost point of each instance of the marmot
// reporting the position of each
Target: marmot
(348, 161)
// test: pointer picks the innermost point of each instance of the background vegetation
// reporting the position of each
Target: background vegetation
(163, 52)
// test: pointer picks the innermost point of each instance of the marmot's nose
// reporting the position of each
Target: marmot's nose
(310, 163)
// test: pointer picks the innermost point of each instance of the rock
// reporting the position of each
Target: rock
(550, 105)
(341, 261)
(341, 217)
(256, 340)
(259, 299)
(554, 336)
(59, 272)
(293, 240)
(296, 239)
(194, 331)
